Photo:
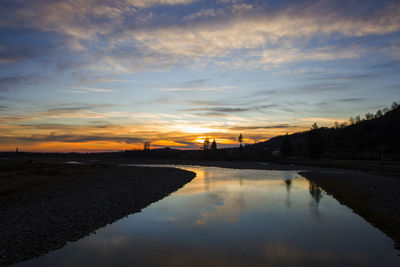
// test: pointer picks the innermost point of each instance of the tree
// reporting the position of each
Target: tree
(286, 147)
(314, 126)
(336, 125)
(385, 110)
(315, 143)
(240, 140)
(369, 116)
(378, 113)
(206, 144)
(357, 119)
(146, 146)
(214, 146)
(352, 120)
(394, 105)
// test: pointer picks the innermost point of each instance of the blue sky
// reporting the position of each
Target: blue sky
(108, 75)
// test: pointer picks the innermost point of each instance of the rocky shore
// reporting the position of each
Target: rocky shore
(66, 205)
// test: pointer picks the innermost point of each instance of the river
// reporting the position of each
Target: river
(234, 217)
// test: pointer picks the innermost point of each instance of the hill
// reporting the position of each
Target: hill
(376, 138)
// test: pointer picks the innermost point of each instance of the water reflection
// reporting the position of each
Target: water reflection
(315, 192)
(228, 217)
(288, 183)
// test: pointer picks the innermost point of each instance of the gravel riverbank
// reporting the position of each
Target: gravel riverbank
(37, 218)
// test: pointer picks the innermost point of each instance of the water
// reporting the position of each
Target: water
(229, 217)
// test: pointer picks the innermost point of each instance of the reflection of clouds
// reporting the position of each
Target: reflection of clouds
(214, 179)
(229, 210)
(205, 228)
(226, 194)
(290, 255)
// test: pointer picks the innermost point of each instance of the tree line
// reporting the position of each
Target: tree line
(368, 116)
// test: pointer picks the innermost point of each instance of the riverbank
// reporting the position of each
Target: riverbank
(372, 194)
(44, 205)
(375, 197)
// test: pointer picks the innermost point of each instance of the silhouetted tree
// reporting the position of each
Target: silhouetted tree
(378, 113)
(336, 125)
(314, 126)
(286, 147)
(394, 105)
(146, 146)
(206, 144)
(240, 140)
(214, 146)
(352, 120)
(315, 142)
(369, 116)
(385, 110)
(357, 119)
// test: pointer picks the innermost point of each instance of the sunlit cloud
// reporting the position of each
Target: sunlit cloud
(255, 35)
(88, 128)
(197, 85)
(147, 3)
(203, 88)
(79, 89)
(173, 72)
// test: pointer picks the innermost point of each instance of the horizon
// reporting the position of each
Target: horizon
(105, 76)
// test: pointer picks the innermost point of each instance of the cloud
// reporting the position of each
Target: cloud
(89, 127)
(4, 107)
(348, 77)
(196, 85)
(129, 35)
(261, 127)
(148, 3)
(386, 65)
(204, 13)
(277, 57)
(14, 54)
(323, 87)
(74, 108)
(200, 88)
(259, 35)
(351, 100)
(80, 89)
(76, 138)
(221, 110)
(8, 83)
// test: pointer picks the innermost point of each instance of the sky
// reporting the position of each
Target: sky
(102, 75)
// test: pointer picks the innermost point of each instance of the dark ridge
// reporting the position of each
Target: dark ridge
(373, 139)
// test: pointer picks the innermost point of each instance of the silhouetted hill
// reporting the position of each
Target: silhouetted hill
(369, 139)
